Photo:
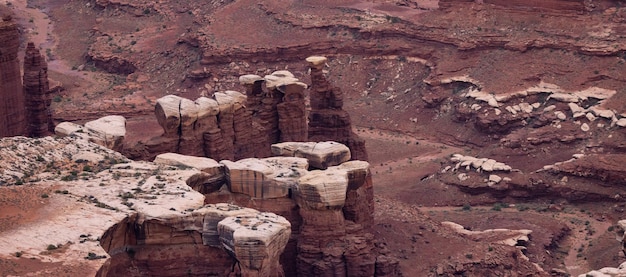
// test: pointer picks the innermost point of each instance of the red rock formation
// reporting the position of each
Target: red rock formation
(12, 111)
(557, 5)
(327, 120)
(36, 92)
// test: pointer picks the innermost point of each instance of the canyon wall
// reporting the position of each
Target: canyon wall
(12, 111)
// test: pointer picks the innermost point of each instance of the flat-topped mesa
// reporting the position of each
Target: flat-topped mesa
(12, 106)
(265, 178)
(37, 94)
(108, 131)
(256, 242)
(327, 119)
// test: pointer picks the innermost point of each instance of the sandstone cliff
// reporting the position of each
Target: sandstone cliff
(37, 94)
(12, 109)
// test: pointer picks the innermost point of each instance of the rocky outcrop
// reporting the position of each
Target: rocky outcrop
(340, 196)
(108, 57)
(233, 125)
(552, 5)
(508, 237)
(226, 234)
(256, 241)
(320, 155)
(606, 167)
(327, 119)
(12, 108)
(37, 93)
(108, 131)
(264, 178)
(607, 272)
(210, 180)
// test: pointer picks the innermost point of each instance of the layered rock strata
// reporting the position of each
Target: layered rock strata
(256, 241)
(148, 217)
(320, 155)
(155, 215)
(327, 119)
(552, 5)
(37, 93)
(233, 125)
(12, 108)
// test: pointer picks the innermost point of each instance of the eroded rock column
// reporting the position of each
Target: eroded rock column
(321, 196)
(327, 119)
(12, 106)
(36, 92)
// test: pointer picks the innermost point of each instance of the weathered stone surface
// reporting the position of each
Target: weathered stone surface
(292, 113)
(359, 205)
(499, 236)
(256, 241)
(210, 180)
(167, 112)
(108, 131)
(323, 189)
(319, 154)
(67, 128)
(265, 178)
(37, 93)
(12, 106)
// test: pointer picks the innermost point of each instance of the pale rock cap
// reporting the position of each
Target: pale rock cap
(317, 61)
(249, 79)
(283, 73)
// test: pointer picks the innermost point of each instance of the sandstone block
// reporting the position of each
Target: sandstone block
(319, 154)
(67, 128)
(249, 79)
(108, 131)
(256, 241)
(167, 111)
(264, 178)
(323, 189)
(212, 214)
